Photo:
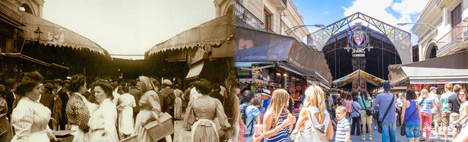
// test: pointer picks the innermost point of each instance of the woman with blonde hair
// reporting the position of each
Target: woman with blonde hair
(277, 122)
(315, 114)
(426, 113)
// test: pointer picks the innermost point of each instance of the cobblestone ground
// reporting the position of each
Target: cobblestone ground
(180, 134)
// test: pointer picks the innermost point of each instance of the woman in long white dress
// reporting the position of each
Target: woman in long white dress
(126, 105)
(103, 119)
(30, 118)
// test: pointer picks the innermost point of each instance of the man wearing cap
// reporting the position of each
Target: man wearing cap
(435, 110)
(167, 97)
(266, 97)
(384, 101)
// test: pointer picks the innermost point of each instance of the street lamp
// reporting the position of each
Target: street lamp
(426, 24)
(300, 26)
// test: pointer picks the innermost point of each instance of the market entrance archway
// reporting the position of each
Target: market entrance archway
(390, 45)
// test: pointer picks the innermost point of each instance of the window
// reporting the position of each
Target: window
(267, 21)
(456, 18)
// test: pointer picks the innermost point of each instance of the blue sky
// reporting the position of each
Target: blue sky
(390, 11)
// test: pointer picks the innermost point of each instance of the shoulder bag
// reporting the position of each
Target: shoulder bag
(403, 126)
(370, 110)
(379, 123)
(310, 132)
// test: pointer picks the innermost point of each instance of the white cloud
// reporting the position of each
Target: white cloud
(377, 9)
(403, 11)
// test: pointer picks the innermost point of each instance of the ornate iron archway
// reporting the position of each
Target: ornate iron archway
(400, 39)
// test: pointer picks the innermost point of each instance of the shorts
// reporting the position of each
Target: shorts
(412, 131)
(436, 118)
(454, 117)
(445, 118)
(365, 119)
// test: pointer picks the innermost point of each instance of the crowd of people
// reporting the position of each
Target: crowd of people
(32, 108)
(266, 118)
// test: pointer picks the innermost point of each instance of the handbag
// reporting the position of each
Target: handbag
(403, 126)
(370, 110)
(310, 133)
(379, 123)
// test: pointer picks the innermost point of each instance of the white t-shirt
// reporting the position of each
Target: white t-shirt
(436, 99)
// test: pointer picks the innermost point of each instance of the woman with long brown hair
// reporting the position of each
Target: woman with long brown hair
(277, 124)
(316, 111)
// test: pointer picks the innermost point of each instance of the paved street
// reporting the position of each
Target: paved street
(185, 136)
(377, 137)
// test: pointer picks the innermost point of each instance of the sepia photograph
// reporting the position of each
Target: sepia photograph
(233, 70)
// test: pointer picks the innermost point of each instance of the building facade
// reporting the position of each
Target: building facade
(442, 28)
(275, 16)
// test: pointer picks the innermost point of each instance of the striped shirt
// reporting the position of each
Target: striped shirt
(341, 128)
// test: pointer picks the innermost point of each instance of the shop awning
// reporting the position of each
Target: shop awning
(56, 35)
(302, 71)
(195, 71)
(216, 33)
(364, 76)
(447, 69)
(259, 46)
(34, 60)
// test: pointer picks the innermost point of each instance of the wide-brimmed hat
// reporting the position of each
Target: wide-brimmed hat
(266, 93)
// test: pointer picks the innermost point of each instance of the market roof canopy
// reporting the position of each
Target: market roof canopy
(355, 75)
(259, 46)
(447, 69)
(215, 33)
(56, 35)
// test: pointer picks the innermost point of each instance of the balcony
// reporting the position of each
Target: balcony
(454, 40)
(245, 18)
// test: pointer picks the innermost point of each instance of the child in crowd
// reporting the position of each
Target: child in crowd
(342, 128)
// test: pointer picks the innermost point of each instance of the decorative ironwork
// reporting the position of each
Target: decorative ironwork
(400, 39)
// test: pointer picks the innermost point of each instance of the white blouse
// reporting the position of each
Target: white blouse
(30, 119)
(105, 118)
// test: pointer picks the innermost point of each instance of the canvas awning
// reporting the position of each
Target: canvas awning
(195, 70)
(259, 46)
(356, 75)
(216, 33)
(34, 60)
(56, 35)
(447, 69)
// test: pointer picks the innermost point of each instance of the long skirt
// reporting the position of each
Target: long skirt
(204, 130)
(79, 135)
(140, 131)
(126, 121)
(35, 137)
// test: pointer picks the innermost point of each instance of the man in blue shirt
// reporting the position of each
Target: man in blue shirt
(266, 95)
(384, 101)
